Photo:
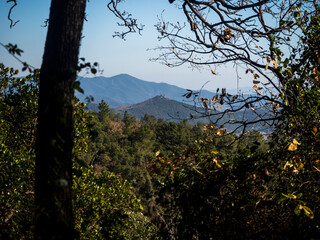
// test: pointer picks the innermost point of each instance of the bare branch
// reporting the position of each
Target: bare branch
(12, 23)
(232, 31)
(126, 19)
(256, 35)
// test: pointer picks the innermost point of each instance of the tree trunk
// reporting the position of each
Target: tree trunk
(53, 187)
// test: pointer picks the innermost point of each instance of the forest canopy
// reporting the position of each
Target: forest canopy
(68, 173)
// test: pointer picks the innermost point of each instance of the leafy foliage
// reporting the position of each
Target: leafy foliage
(18, 107)
(104, 206)
(254, 194)
(297, 136)
(194, 182)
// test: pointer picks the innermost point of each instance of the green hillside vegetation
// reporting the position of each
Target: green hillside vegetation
(134, 149)
(154, 179)
(169, 110)
(117, 179)
(104, 205)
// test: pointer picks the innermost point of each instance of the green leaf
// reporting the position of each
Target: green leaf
(93, 70)
(297, 210)
(286, 62)
(77, 87)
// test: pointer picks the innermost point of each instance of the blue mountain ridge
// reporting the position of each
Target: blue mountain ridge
(138, 97)
(124, 90)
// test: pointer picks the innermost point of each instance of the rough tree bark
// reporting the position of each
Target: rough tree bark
(53, 187)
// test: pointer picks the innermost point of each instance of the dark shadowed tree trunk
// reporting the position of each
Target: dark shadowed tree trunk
(53, 188)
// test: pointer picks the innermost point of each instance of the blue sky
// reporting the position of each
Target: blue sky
(114, 55)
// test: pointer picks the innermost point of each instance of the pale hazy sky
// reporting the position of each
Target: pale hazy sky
(114, 55)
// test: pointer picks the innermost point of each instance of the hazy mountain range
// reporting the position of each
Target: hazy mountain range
(126, 93)
(125, 90)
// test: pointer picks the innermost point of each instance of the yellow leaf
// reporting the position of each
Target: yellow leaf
(317, 168)
(157, 153)
(216, 162)
(308, 212)
(315, 129)
(267, 65)
(275, 64)
(287, 165)
(267, 172)
(256, 88)
(206, 127)
(295, 142)
(213, 72)
(300, 165)
(292, 147)
(256, 82)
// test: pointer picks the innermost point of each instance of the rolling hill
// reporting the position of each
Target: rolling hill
(126, 93)
(161, 107)
(123, 90)
(171, 110)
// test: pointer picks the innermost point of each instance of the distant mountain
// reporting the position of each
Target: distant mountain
(126, 93)
(161, 107)
(171, 110)
(123, 89)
